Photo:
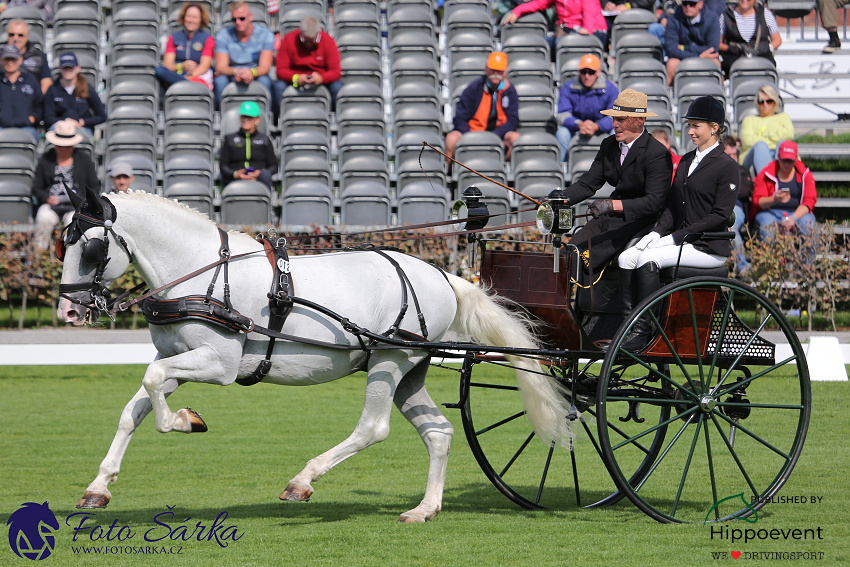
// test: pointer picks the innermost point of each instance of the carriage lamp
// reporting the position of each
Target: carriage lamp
(554, 216)
(470, 209)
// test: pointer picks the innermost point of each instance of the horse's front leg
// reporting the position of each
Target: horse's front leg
(97, 494)
(203, 364)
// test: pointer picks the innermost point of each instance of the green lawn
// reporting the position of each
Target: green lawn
(56, 424)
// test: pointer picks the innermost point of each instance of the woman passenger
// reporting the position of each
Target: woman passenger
(702, 199)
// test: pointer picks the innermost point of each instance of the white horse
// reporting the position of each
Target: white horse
(166, 241)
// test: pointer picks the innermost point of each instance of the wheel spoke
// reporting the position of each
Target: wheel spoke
(734, 454)
(756, 437)
(710, 458)
(744, 350)
(722, 334)
(653, 428)
(666, 378)
(695, 329)
(545, 473)
(493, 386)
(500, 423)
(746, 381)
(687, 467)
(517, 454)
(667, 449)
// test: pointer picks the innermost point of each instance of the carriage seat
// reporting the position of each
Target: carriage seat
(688, 272)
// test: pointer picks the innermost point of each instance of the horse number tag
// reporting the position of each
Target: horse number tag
(283, 265)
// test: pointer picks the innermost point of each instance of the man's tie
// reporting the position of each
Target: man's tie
(624, 149)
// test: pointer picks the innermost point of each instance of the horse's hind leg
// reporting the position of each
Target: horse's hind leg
(97, 494)
(385, 373)
(418, 408)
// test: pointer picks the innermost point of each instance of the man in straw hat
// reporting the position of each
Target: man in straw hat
(638, 167)
(488, 103)
(64, 177)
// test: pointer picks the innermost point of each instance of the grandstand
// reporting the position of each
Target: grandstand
(404, 65)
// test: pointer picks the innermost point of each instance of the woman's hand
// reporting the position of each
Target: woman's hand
(644, 242)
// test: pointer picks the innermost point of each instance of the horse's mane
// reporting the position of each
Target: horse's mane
(136, 195)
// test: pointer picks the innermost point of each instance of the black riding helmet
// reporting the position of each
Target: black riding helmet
(707, 108)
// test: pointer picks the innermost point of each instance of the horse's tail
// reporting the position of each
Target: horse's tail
(483, 321)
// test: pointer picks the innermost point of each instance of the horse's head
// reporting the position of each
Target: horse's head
(30, 530)
(94, 256)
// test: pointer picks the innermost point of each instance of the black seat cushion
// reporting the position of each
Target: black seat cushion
(688, 272)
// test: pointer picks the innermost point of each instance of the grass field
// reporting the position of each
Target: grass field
(56, 424)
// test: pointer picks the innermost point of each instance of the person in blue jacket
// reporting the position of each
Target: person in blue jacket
(488, 103)
(581, 102)
(692, 31)
(72, 97)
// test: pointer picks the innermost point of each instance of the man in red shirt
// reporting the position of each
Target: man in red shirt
(308, 58)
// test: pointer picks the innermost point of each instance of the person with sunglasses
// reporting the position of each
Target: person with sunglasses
(244, 51)
(581, 102)
(307, 59)
(692, 31)
(762, 134)
(747, 29)
(34, 60)
(784, 195)
(20, 97)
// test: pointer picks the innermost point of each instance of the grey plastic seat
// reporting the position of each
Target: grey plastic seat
(187, 118)
(357, 118)
(18, 145)
(365, 203)
(358, 42)
(526, 47)
(411, 17)
(305, 168)
(356, 22)
(419, 121)
(246, 203)
(635, 19)
(234, 94)
(428, 168)
(361, 68)
(15, 201)
(362, 144)
(418, 95)
(484, 147)
(695, 68)
(410, 146)
(532, 145)
(296, 98)
(465, 178)
(696, 88)
(536, 178)
(420, 202)
(531, 71)
(468, 19)
(654, 91)
(745, 69)
(13, 169)
(465, 69)
(499, 200)
(301, 119)
(197, 196)
(637, 44)
(370, 7)
(469, 44)
(360, 94)
(536, 107)
(415, 68)
(663, 120)
(305, 143)
(413, 42)
(642, 67)
(136, 93)
(307, 203)
(364, 168)
(189, 93)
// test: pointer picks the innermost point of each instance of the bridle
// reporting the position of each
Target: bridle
(95, 253)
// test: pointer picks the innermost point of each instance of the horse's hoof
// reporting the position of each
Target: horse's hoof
(93, 500)
(411, 519)
(294, 493)
(196, 421)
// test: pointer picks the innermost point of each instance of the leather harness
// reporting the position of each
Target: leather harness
(221, 314)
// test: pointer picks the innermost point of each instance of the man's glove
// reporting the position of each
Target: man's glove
(601, 207)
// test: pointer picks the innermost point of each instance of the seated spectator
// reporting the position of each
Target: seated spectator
(47, 7)
(579, 16)
(122, 176)
(581, 102)
(189, 52)
(692, 31)
(662, 136)
(784, 195)
(248, 154)
(487, 103)
(61, 171)
(745, 191)
(747, 30)
(35, 61)
(761, 135)
(20, 95)
(658, 29)
(244, 51)
(828, 10)
(71, 97)
(307, 59)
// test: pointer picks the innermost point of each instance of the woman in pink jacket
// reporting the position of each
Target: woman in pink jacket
(784, 194)
(574, 16)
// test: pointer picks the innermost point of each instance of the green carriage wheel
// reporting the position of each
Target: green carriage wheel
(740, 405)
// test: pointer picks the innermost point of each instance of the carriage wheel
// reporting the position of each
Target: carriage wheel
(739, 408)
(527, 471)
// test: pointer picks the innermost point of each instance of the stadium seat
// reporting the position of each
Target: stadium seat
(307, 203)
(15, 200)
(365, 203)
(197, 196)
(420, 202)
(246, 203)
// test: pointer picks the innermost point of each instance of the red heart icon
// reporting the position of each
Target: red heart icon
(735, 554)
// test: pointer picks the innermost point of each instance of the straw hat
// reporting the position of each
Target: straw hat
(629, 103)
(65, 134)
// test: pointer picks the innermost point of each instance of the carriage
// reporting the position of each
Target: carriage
(705, 423)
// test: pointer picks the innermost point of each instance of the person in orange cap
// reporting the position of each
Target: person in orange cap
(581, 102)
(488, 103)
